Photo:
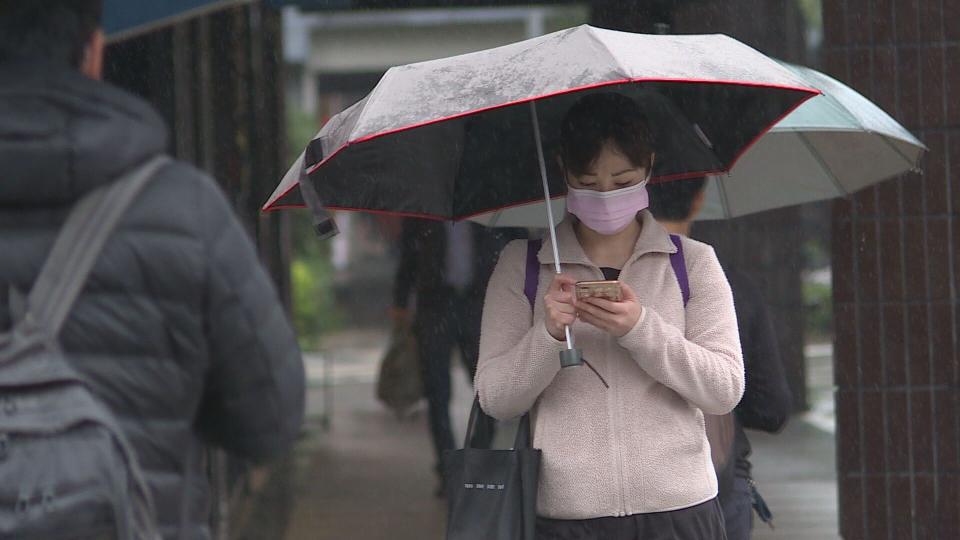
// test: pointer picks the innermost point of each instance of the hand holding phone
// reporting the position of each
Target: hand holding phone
(559, 306)
(615, 312)
(608, 289)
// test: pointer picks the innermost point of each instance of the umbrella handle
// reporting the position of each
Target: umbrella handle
(571, 356)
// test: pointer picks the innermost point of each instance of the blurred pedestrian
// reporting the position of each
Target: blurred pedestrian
(178, 331)
(446, 266)
(767, 399)
(625, 455)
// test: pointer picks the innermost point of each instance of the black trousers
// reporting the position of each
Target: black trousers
(701, 522)
(446, 319)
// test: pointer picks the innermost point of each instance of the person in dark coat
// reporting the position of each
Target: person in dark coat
(767, 400)
(178, 331)
(446, 266)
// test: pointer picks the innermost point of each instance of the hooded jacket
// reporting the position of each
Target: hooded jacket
(178, 330)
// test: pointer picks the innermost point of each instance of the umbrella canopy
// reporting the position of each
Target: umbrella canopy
(833, 145)
(126, 18)
(453, 138)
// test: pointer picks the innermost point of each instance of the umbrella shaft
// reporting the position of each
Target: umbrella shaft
(546, 185)
(546, 197)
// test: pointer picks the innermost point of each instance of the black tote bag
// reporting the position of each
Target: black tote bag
(492, 494)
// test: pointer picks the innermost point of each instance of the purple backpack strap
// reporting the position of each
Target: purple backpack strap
(532, 279)
(680, 269)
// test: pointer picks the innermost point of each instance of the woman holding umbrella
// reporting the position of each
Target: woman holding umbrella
(625, 454)
(460, 138)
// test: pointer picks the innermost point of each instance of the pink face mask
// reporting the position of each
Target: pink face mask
(608, 212)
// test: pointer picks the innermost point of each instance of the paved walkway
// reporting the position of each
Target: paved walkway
(369, 476)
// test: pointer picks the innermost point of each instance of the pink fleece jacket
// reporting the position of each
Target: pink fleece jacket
(640, 445)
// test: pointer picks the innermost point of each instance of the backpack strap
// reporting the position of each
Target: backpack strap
(680, 268)
(78, 246)
(532, 279)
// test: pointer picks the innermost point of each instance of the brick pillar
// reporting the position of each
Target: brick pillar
(895, 251)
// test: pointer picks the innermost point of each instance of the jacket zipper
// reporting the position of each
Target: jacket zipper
(618, 411)
(615, 413)
(617, 421)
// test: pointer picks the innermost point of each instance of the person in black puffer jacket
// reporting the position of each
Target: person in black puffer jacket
(178, 330)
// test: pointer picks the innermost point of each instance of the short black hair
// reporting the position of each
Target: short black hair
(597, 118)
(673, 201)
(47, 31)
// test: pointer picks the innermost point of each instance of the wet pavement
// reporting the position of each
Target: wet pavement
(362, 473)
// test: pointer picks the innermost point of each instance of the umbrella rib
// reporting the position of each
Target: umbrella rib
(627, 74)
(823, 164)
(615, 58)
(369, 99)
(724, 200)
(911, 163)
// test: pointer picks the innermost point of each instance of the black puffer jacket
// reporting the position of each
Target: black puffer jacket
(179, 330)
(767, 400)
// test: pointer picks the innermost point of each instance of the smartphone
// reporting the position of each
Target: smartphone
(602, 289)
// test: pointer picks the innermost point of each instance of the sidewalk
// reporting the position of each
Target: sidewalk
(795, 472)
(370, 476)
